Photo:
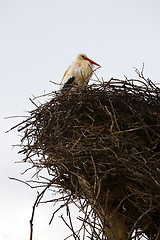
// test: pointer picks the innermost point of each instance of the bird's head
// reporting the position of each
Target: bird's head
(83, 56)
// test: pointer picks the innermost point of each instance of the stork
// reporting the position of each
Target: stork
(78, 73)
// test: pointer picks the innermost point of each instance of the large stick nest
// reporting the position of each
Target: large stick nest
(103, 142)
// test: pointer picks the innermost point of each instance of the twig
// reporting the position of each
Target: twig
(39, 196)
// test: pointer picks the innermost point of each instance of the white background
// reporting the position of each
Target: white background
(38, 40)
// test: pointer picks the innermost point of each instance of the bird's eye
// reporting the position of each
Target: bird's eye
(83, 56)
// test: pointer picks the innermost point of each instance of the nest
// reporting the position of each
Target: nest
(102, 144)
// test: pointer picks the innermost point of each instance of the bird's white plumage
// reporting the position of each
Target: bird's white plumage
(79, 72)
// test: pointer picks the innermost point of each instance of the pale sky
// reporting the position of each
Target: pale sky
(38, 40)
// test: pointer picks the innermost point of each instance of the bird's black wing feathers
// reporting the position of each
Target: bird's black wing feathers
(68, 83)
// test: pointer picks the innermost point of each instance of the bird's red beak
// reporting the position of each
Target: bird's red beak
(92, 62)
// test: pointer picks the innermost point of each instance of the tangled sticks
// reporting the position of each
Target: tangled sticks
(102, 144)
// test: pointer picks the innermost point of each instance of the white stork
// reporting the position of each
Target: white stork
(78, 73)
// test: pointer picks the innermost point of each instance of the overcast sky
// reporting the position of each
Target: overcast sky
(38, 40)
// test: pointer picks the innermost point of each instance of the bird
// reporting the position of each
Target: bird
(78, 73)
